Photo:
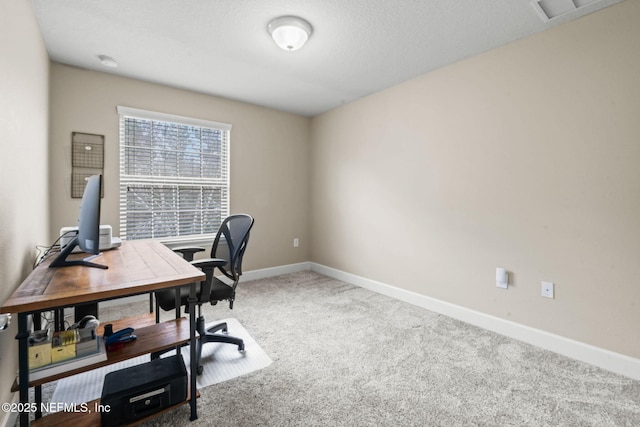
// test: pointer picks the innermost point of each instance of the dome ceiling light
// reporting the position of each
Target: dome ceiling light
(290, 32)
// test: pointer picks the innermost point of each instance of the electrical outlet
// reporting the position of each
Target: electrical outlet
(547, 289)
(296, 242)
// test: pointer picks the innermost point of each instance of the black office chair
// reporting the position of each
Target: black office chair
(226, 255)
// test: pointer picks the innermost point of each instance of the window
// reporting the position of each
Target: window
(174, 175)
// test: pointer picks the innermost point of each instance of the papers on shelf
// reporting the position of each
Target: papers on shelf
(70, 364)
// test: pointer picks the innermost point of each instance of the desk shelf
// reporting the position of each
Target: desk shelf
(151, 338)
(92, 418)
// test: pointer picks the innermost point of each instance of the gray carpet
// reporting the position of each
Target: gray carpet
(345, 356)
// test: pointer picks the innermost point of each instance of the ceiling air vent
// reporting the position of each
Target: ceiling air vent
(549, 9)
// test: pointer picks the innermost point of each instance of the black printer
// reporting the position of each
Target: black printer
(142, 390)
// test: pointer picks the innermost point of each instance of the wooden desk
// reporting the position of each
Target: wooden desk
(137, 267)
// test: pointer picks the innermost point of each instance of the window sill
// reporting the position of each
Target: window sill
(206, 240)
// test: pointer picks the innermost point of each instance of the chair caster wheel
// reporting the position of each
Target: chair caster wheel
(241, 348)
(200, 370)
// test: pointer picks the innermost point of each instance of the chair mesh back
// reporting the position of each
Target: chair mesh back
(235, 230)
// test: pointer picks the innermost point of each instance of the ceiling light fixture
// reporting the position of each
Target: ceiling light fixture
(290, 32)
(108, 61)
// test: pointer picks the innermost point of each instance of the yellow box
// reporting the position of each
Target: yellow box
(63, 338)
(39, 355)
(65, 352)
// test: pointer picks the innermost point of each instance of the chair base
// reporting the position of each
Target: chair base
(216, 333)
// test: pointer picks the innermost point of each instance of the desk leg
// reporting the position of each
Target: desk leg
(178, 301)
(58, 319)
(23, 365)
(192, 350)
(38, 398)
(37, 325)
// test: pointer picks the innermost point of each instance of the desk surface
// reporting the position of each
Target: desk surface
(138, 266)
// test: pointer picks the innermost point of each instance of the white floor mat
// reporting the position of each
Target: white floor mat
(221, 362)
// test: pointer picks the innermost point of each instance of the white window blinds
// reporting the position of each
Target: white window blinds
(174, 175)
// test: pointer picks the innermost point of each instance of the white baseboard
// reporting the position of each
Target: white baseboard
(609, 360)
(606, 359)
(275, 271)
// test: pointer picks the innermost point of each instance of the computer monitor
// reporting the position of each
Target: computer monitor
(88, 237)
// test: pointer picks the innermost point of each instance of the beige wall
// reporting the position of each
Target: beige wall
(24, 80)
(269, 155)
(526, 157)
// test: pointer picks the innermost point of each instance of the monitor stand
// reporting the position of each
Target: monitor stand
(61, 259)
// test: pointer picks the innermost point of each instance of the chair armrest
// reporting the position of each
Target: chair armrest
(207, 266)
(209, 263)
(188, 251)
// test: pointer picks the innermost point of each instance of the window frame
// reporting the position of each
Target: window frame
(136, 113)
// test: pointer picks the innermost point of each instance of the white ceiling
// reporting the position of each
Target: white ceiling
(221, 47)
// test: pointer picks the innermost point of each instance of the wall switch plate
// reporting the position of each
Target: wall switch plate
(296, 242)
(502, 278)
(547, 289)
